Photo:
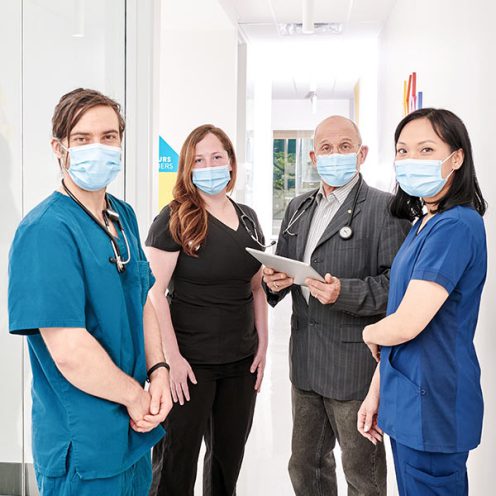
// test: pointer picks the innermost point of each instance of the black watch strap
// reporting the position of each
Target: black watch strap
(155, 367)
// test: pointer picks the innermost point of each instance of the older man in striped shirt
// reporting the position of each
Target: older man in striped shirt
(346, 232)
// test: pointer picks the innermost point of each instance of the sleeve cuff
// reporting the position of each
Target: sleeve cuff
(346, 301)
(272, 298)
(30, 328)
(433, 276)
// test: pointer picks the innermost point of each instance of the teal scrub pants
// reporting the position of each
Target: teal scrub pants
(135, 481)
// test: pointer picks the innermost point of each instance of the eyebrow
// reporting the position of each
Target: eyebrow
(82, 133)
(213, 153)
(419, 143)
(340, 140)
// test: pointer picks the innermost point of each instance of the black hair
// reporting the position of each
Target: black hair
(464, 189)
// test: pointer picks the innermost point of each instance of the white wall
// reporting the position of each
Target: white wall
(450, 44)
(198, 69)
(261, 164)
(367, 115)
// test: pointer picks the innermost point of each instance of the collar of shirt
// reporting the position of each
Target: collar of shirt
(340, 194)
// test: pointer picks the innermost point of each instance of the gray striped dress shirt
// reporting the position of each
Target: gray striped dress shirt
(324, 212)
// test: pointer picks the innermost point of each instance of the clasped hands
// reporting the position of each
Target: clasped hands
(326, 292)
(149, 408)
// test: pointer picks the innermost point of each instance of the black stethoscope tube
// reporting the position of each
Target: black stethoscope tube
(244, 217)
(111, 214)
(345, 233)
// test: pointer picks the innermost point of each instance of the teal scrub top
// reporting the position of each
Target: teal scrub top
(60, 276)
(431, 398)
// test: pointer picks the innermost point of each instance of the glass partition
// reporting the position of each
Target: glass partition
(47, 48)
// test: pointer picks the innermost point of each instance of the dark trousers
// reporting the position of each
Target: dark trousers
(424, 473)
(317, 423)
(220, 411)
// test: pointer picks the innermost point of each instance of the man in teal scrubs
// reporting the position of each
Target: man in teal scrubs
(78, 284)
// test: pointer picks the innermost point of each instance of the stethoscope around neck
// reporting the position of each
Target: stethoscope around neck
(345, 233)
(109, 215)
(253, 233)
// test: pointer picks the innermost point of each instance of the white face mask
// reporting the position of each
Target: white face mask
(421, 178)
(211, 180)
(93, 167)
(338, 169)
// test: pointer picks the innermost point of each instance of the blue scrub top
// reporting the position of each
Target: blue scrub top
(431, 398)
(60, 276)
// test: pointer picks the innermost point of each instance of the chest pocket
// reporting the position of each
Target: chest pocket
(144, 279)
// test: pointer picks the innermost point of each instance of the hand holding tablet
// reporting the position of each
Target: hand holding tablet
(298, 271)
(276, 281)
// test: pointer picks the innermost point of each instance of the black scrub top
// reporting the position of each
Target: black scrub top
(210, 296)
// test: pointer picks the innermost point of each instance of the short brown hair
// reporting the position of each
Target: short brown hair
(74, 104)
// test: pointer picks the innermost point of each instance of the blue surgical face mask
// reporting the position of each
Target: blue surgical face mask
(211, 180)
(419, 177)
(93, 167)
(337, 169)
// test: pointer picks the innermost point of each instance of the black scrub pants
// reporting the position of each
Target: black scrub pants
(221, 411)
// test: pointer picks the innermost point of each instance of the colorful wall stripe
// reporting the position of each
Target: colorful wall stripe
(168, 163)
(412, 99)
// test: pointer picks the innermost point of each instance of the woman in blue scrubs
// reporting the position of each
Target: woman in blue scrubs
(78, 286)
(426, 392)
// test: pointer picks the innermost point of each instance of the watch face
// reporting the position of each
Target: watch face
(346, 232)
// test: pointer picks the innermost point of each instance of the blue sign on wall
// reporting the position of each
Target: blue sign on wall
(168, 159)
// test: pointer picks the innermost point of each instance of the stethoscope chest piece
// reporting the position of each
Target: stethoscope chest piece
(346, 232)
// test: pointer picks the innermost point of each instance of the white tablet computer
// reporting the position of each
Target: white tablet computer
(299, 271)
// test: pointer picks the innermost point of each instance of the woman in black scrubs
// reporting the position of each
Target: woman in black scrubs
(213, 320)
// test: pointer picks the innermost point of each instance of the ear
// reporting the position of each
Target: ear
(58, 151)
(313, 158)
(362, 155)
(457, 159)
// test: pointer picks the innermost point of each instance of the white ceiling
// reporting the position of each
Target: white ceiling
(258, 19)
(362, 21)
